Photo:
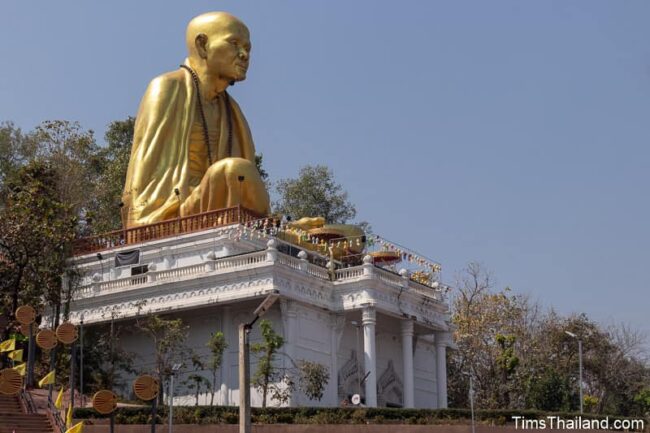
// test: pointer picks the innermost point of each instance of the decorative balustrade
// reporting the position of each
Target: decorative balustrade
(185, 271)
(349, 273)
(286, 260)
(241, 261)
(389, 277)
(248, 260)
(164, 229)
(423, 289)
(318, 272)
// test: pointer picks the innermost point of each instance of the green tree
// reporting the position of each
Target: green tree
(314, 193)
(74, 155)
(106, 363)
(168, 337)
(217, 345)
(197, 382)
(489, 326)
(278, 383)
(88, 178)
(36, 229)
(549, 390)
(268, 378)
(105, 211)
(312, 378)
(259, 160)
(642, 399)
(16, 149)
(522, 357)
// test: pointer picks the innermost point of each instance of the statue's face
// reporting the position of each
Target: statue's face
(228, 51)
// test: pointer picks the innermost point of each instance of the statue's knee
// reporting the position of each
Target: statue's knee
(237, 167)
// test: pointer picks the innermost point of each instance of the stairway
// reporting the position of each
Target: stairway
(13, 419)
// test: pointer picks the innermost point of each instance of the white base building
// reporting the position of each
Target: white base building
(360, 322)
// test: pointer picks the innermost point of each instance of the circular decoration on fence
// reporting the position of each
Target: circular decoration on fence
(146, 387)
(25, 315)
(24, 329)
(104, 401)
(385, 257)
(67, 333)
(10, 381)
(46, 339)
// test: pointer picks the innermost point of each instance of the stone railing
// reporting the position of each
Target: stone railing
(164, 229)
(185, 271)
(390, 278)
(226, 264)
(256, 259)
(349, 273)
(423, 289)
(317, 271)
(241, 261)
(289, 261)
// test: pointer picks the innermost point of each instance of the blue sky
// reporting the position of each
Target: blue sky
(506, 132)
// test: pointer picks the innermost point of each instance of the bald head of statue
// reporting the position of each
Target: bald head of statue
(219, 47)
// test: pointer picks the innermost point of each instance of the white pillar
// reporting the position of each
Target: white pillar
(441, 368)
(226, 328)
(338, 324)
(290, 325)
(369, 355)
(407, 358)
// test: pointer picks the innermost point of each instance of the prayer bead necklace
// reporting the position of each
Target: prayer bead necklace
(206, 136)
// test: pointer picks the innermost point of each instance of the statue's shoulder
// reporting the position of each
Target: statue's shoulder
(169, 81)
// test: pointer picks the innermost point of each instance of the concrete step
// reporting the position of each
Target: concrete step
(25, 423)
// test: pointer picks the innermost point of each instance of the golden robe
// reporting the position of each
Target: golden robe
(160, 161)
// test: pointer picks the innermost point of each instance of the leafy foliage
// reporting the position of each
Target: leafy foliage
(168, 337)
(269, 379)
(312, 377)
(55, 182)
(217, 345)
(36, 228)
(106, 362)
(324, 415)
(314, 193)
(197, 382)
(278, 383)
(105, 210)
(522, 357)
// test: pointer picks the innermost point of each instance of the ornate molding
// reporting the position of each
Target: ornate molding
(348, 377)
(157, 302)
(389, 387)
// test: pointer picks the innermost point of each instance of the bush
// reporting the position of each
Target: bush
(325, 415)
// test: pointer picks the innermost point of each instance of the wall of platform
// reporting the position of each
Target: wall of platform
(310, 333)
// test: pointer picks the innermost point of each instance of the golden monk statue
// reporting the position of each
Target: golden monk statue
(192, 148)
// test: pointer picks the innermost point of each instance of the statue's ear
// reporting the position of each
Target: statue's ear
(201, 42)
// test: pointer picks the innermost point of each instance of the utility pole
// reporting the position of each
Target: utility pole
(244, 364)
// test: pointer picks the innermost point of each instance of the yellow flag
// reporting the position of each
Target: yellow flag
(59, 399)
(20, 368)
(77, 428)
(47, 380)
(8, 345)
(16, 355)
(68, 418)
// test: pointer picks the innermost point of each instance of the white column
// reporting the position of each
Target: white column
(338, 324)
(226, 328)
(407, 358)
(442, 339)
(290, 325)
(369, 356)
